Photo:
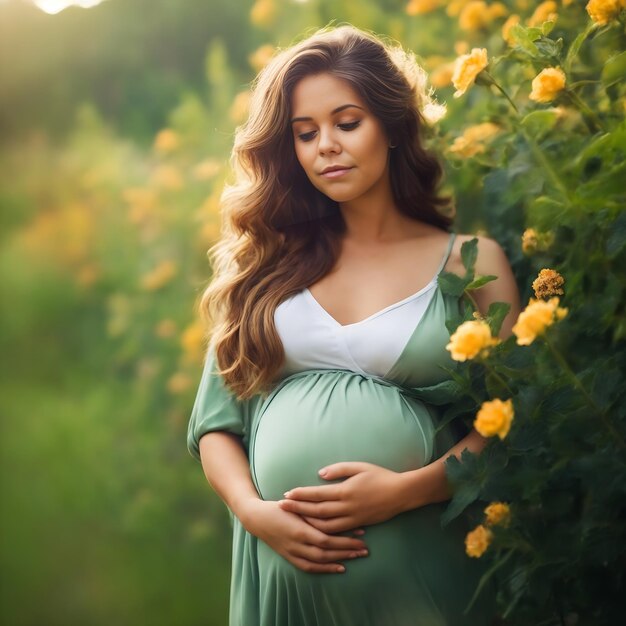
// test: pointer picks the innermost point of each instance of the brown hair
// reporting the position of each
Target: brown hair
(265, 254)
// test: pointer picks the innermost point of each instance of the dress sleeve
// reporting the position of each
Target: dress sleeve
(217, 408)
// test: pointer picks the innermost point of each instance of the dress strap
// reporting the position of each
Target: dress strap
(447, 253)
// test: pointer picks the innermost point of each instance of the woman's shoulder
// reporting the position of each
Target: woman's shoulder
(490, 256)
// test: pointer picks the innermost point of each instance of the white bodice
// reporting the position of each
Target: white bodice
(312, 338)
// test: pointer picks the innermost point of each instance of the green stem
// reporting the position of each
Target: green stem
(486, 577)
(504, 93)
(591, 118)
(576, 382)
(497, 376)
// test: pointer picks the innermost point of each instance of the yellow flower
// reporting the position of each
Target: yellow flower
(166, 141)
(159, 276)
(178, 383)
(496, 10)
(239, 108)
(547, 84)
(474, 15)
(548, 283)
(477, 541)
(498, 513)
(261, 57)
(263, 12)
(494, 418)
(461, 47)
(420, 7)
(168, 177)
(470, 339)
(544, 12)
(603, 11)
(466, 69)
(454, 7)
(506, 28)
(442, 76)
(535, 318)
(207, 169)
(532, 241)
(165, 329)
(192, 341)
(471, 141)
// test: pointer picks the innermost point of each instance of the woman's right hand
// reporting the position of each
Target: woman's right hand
(303, 545)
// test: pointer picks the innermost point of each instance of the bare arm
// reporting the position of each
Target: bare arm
(226, 468)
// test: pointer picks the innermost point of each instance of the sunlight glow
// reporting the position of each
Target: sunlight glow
(56, 6)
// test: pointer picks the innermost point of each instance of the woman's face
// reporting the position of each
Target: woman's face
(332, 126)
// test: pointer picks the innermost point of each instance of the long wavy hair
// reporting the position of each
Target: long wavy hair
(267, 252)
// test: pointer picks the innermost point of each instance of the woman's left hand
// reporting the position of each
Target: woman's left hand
(370, 494)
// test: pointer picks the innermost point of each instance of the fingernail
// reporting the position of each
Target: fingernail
(341, 568)
(359, 532)
(322, 472)
(363, 553)
(287, 494)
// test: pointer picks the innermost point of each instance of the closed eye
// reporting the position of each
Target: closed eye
(348, 126)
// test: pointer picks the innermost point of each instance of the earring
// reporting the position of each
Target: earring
(392, 146)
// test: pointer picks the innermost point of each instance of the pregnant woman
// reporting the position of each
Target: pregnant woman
(312, 420)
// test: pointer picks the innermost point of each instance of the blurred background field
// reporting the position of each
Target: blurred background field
(116, 123)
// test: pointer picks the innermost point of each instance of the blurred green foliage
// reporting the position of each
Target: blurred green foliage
(116, 127)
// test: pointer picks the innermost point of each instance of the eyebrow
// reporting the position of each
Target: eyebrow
(337, 110)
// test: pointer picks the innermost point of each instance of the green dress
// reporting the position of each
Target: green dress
(416, 573)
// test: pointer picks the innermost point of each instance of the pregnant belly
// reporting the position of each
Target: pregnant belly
(322, 417)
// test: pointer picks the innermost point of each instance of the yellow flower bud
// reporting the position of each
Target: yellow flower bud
(494, 418)
(548, 283)
(544, 12)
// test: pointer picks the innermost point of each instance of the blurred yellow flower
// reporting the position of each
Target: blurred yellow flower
(454, 7)
(522, 5)
(603, 11)
(419, 7)
(498, 513)
(471, 142)
(548, 283)
(544, 12)
(535, 318)
(261, 57)
(239, 109)
(470, 339)
(207, 169)
(168, 177)
(532, 241)
(263, 12)
(166, 328)
(466, 69)
(474, 15)
(192, 341)
(179, 383)
(496, 10)
(442, 76)
(547, 84)
(166, 141)
(477, 541)
(159, 276)
(494, 418)
(87, 275)
(461, 47)
(506, 27)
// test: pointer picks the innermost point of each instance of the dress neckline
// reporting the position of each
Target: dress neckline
(432, 283)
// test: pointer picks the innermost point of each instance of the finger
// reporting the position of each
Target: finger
(317, 568)
(320, 555)
(313, 494)
(313, 509)
(333, 542)
(346, 468)
(332, 525)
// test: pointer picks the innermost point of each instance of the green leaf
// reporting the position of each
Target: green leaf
(495, 316)
(469, 254)
(614, 70)
(550, 49)
(544, 212)
(478, 282)
(617, 239)
(546, 27)
(452, 284)
(523, 39)
(575, 47)
(538, 123)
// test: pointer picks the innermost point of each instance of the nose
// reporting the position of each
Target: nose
(328, 141)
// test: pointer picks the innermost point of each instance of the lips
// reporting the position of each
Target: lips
(335, 171)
